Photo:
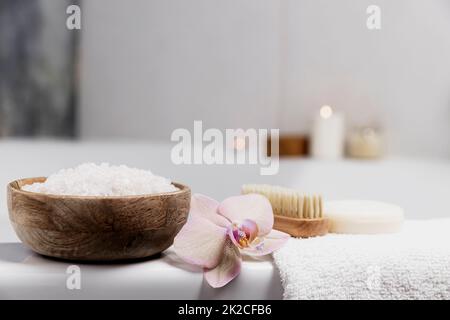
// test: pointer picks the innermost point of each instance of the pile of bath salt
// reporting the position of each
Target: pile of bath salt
(90, 179)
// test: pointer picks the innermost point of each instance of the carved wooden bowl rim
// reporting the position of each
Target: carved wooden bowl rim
(16, 187)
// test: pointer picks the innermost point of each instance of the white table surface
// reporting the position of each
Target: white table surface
(25, 275)
(421, 186)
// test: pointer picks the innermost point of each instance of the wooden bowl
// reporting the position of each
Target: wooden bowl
(93, 228)
(301, 228)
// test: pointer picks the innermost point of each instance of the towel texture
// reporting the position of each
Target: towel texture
(412, 264)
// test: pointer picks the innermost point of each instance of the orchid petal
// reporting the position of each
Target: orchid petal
(200, 242)
(228, 268)
(207, 208)
(262, 246)
(254, 207)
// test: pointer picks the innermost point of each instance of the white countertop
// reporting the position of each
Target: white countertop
(421, 186)
(25, 275)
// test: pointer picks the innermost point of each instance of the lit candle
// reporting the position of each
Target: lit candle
(239, 143)
(328, 134)
(365, 143)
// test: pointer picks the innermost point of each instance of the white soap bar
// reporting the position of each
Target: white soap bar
(363, 217)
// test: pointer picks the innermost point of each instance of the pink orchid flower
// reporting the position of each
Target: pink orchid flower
(216, 234)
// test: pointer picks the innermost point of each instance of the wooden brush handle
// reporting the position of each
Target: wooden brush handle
(301, 228)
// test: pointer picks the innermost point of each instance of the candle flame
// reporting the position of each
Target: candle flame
(239, 143)
(326, 112)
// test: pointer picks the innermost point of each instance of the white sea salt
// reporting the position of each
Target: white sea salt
(90, 179)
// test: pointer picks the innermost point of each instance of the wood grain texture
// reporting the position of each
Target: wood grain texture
(92, 228)
(301, 228)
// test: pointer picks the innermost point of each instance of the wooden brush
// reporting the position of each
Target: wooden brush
(295, 213)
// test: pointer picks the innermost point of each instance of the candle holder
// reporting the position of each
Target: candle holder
(365, 143)
(290, 145)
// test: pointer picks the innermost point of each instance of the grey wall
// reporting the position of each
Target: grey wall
(398, 77)
(152, 66)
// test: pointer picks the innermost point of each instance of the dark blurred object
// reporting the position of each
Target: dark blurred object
(291, 145)
(37, 69)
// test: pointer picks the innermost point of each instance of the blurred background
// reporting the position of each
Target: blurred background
(38, 58)
(270, 63)
(139, 69)
(161, 64)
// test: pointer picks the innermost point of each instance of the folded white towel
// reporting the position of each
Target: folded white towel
(412, 264)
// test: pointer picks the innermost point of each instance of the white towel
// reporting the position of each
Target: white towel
(412, 264)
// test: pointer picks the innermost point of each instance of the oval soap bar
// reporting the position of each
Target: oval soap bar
(363, 217)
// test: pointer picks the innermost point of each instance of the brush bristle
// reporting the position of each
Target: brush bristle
(288, 202)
